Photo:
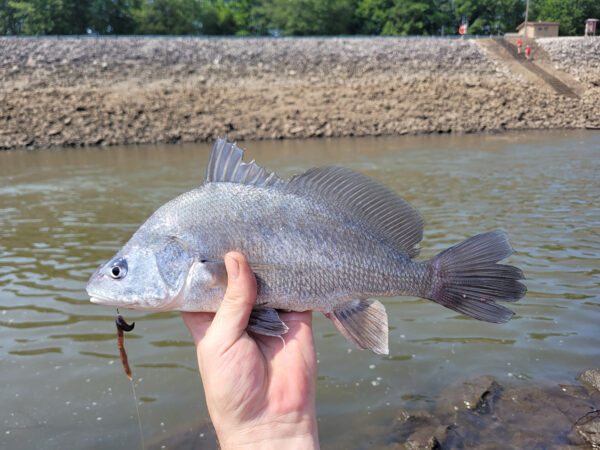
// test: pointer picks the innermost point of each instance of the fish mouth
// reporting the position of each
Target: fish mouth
(99, 300)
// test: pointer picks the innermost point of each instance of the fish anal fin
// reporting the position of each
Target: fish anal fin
(267, 322)
(364, 323)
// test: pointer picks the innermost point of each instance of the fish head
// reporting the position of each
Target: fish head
(142, 276)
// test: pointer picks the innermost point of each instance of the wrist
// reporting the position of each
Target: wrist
(301, 434)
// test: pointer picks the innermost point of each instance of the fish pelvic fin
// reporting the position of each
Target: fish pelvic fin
(364, 323)
(267, 322)
(468, 279)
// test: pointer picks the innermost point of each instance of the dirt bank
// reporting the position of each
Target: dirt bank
(72, 92)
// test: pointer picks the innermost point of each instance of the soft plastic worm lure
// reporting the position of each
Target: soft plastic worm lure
(123, 326)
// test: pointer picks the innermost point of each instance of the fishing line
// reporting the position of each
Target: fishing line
(122, 326)
(137, 409)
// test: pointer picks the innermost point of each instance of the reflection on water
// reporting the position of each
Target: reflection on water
(64, 212)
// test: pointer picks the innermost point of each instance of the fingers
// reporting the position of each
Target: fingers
(300, 324)
(232, 317)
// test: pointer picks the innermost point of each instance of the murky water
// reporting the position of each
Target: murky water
(64, 212)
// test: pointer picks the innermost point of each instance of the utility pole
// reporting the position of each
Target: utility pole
(526, 17)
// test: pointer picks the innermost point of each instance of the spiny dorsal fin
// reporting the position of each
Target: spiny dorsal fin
(225, 165)
(383, 212)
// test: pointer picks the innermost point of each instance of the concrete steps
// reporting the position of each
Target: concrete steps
(558, 86)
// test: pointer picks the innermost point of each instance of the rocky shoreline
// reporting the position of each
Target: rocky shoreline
(111, 91)
(477, 413)
(482, 413)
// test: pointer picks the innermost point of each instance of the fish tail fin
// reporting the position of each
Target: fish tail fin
(468, 279)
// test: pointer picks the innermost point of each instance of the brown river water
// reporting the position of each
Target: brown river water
(65, 211)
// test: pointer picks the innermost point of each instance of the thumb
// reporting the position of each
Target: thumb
(231, 319)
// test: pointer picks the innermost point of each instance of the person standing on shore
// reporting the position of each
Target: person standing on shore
(527, 52)
(519, 45)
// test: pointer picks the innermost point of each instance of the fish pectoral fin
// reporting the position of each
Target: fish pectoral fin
(217, 271)
(266, 321)
(364, 323)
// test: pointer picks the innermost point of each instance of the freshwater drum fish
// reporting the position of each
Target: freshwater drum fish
(329, 239)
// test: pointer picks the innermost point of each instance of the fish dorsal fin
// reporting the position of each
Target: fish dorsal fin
(383, 212)
(225, 165)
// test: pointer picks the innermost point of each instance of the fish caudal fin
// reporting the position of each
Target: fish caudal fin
(469, 280)
(364, 323)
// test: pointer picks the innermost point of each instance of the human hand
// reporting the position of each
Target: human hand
(260, 393)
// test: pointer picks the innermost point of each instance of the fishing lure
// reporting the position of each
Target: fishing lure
(123, 326)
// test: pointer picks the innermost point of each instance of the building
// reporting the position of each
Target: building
(590, 27)
(538, 29)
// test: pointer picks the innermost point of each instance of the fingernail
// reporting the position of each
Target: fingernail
(233, 267)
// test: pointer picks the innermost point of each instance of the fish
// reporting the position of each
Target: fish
(329, 239)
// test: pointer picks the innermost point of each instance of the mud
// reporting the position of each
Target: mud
(108, 91)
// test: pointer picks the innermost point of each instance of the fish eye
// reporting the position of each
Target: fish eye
(118, 269)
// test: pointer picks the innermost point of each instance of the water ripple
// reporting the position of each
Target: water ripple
(65, 212)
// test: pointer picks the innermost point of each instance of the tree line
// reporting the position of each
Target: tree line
(286, 17)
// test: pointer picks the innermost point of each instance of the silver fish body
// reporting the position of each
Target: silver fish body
(327, 240)
(306, 257)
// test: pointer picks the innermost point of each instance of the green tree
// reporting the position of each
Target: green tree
(404, 17)
(113, 16)
(9, 23)
(444, 17)
(372, 15)
(571, 14)
(176, 17)
(490, 16)
(310, 17)
(512, 14)
(217, 18)
(51, 16)
(410, 17)
(249, 16)
(287, 17)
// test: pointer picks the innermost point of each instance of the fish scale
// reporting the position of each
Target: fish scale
(326, 240)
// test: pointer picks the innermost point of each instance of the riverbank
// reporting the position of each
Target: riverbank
(477, 413)
(109, 91)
